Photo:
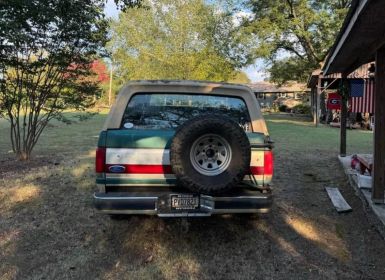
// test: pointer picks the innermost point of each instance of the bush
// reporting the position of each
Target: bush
(302, 109)
(282, 108)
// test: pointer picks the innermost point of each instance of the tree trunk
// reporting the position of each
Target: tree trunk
(23, 155)
(20, 147)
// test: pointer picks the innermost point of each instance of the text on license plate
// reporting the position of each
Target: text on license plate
(184, 201)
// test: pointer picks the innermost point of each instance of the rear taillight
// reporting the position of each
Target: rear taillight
(100, 159)
(268, 163)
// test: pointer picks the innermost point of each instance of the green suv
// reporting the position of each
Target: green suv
(184, 148)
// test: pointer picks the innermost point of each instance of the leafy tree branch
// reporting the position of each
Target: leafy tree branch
(46, 49)
(300, 31)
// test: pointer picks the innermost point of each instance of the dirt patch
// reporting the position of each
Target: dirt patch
(9, 165)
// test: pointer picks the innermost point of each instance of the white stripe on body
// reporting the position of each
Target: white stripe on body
(157, 156)
(138, 156)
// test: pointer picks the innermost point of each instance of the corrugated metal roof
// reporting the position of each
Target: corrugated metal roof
(361, 72)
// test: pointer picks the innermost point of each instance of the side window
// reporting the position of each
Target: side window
(168, 111)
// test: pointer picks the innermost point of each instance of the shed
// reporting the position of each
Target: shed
(360, 41)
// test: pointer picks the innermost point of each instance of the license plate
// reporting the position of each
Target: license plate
(184, 202)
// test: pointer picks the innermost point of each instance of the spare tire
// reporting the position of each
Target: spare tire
(210, 154)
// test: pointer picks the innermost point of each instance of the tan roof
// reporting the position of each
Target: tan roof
(268, 87)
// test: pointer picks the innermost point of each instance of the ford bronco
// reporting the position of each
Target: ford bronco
(184, 148)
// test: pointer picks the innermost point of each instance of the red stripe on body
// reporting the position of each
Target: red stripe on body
(142, 169)
(260, 170)
(257, 170)
(166, 169)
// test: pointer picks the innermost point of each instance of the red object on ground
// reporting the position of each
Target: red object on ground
(354, 162)
(366, 163)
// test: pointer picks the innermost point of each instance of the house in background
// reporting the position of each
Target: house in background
(270, 95)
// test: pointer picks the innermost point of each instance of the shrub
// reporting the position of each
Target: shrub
(282, 108)
(302, 109)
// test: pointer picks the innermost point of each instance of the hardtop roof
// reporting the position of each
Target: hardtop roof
(195, 83)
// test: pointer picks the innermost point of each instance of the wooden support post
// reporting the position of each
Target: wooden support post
(379, 130)
(343, 118)
(317, 101)
(344, 113)
(313, 105)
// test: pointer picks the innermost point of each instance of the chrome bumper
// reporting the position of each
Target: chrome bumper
(158, 203)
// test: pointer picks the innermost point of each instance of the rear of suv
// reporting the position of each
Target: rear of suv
(184, 148)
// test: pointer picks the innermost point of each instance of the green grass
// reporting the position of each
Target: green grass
(288, 132)
(299, 134)
(59, 138)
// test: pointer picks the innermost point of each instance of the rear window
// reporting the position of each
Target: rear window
(168, 111)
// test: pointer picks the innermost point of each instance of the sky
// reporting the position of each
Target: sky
(255, 72)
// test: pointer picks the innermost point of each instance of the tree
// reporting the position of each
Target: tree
(99, 68)
(294, 36)
(182, 39)
(46, 53)
(240, 77)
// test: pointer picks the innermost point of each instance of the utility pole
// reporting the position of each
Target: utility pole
(110, 89)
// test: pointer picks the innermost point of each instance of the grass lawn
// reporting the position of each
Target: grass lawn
(48, 228)
(60, 139)
(80, 138)
(296, 133)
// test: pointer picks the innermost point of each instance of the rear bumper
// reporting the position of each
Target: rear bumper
(158, 203)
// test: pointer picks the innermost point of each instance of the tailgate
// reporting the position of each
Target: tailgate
(142, 158)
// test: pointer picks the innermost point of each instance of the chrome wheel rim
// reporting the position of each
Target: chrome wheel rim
(210, 154)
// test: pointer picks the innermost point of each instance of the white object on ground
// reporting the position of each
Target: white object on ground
(364, 182)
(338, 200)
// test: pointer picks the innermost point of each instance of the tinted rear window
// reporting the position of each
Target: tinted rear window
(168, 111)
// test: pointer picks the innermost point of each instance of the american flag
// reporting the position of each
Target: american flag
(362, 96)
